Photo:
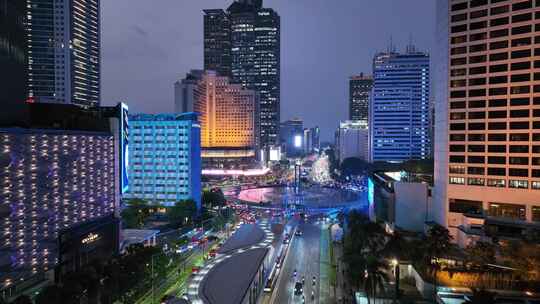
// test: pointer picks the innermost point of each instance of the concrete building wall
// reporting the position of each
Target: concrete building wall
(411, 205)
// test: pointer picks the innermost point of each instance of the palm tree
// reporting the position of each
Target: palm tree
(375, 276)
(436, 244)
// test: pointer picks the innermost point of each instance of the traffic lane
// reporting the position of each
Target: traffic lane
(304, 257)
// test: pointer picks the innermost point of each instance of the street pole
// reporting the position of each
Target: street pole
(153, 293)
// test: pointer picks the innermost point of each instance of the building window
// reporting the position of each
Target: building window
(518, 184)
(457, 180)
(535, 185)
(535, 213)
(457, 169)
(499, 183)
(510, 211)
(464, 206)
(473, 181)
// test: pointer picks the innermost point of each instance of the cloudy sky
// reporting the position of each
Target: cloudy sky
(149, 44)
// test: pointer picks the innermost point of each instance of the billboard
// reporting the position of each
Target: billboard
(298, 141)
(124, 148)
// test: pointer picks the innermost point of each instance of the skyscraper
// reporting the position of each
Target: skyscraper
(254, 49)
(359, 92)
(217, 42)
(64, 52)
(399, 119)
(13, 55)
(487, 158)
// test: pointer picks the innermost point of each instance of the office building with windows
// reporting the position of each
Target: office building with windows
(228, 118)
(165, 158)
(249, 52)
(400, 113)
(311, 140)
(359, 92)
(352, 140)
(292, 137)
(13, 56)
(63, 168)
(487, 157)
(64, 51)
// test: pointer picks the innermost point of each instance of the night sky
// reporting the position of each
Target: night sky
(149, 44)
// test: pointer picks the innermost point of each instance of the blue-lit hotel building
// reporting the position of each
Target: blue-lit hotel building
(400, 117)
(165, 158)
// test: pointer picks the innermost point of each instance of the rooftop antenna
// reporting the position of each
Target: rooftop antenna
(391, 48)
(410, 47)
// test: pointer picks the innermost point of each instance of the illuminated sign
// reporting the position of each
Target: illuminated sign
(275, 154)
(90, 238)
(298, 141)
(124, 146)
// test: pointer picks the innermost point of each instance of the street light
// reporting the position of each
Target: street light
(395, 263)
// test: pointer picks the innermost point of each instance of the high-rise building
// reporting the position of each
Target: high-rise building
(228, 118)
(165, 155)
(352, 140)
(400, 114)
(65, 167)
(487, 132)
(184, 91)
(254, 50)
(292, 137)
(13, 56)
(359, 92)
(217, 42)
(311, 140)
(64, 51)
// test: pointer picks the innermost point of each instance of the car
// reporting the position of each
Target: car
(298, 289)
(298, 232)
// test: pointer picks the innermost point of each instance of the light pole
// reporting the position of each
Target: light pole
(395, 263)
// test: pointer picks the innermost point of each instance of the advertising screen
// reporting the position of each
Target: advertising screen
(124, 145)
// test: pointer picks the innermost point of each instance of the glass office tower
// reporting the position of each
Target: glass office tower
(399, 110)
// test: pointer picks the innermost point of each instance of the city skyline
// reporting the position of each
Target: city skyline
(157, 59)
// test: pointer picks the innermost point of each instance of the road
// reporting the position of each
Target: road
(304, 256)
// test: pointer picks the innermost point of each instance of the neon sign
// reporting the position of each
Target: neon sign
(90, 238)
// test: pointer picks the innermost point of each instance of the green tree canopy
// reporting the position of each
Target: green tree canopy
(183, 212)
(213, 198)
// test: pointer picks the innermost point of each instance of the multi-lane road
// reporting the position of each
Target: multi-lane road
(304, 257)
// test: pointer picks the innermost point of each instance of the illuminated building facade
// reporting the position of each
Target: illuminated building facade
(228, 118)
(244, 43)
(352, 140)
(165, 158)
(359, 92)
(400, 114)
(292, 137)
(487, 162)
(311, 140)
(64, 51)
(62, 169)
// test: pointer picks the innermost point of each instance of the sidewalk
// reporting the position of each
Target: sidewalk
(326, 290)
(343, 288)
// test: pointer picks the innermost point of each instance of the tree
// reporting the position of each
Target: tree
(183, 212)
(136, 213)
(51, 294)
(436, 244)
(22, 300)
(481, 296)
(375, 276)
(213, 198)
(353, 166)
(481, 253)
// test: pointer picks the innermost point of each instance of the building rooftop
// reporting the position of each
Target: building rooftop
(164, 117)
(247, 235)
(229, 281)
